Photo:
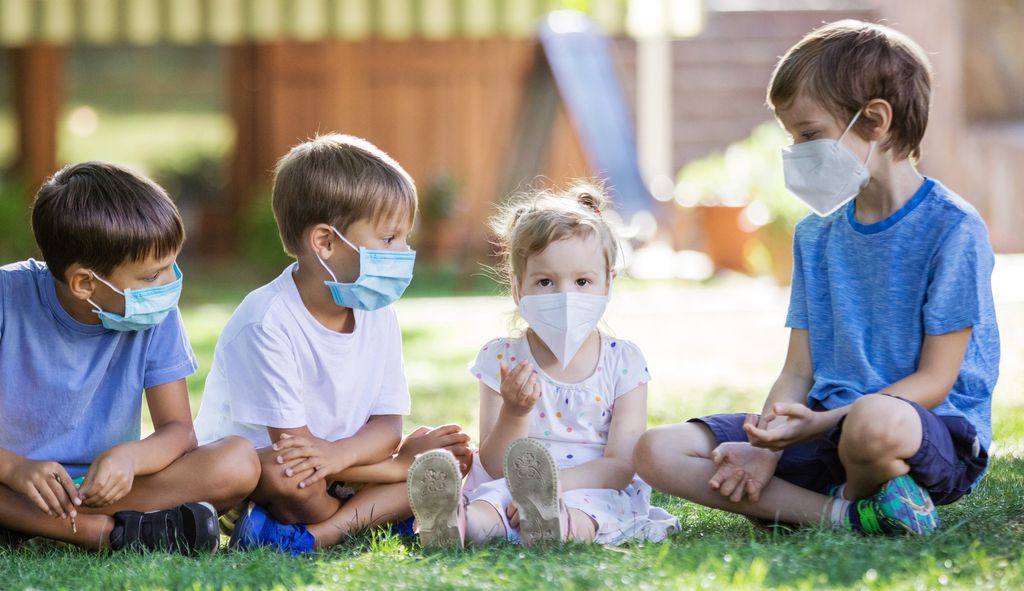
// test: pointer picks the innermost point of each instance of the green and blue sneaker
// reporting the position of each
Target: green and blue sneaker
(256, 529)
(900, 506)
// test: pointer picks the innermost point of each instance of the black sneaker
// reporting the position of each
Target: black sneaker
(191, 528)
(10, 540)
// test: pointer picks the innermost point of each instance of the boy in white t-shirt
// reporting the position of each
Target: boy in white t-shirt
(309, 367)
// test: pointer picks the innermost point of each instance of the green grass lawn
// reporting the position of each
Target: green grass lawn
(710, 349)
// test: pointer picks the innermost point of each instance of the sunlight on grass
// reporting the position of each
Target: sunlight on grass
(690, 336)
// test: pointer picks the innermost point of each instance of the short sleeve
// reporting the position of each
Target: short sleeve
(260, 373)
(797, 315)
(487, 366)
(169, 356)
(960, 282)
(630, 367)
(393, 398)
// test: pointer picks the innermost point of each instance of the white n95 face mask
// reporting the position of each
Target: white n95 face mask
(563, 320)
(825, 174)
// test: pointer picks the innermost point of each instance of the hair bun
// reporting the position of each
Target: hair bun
(590, 197)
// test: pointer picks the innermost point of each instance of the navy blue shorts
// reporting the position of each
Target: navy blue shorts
(947, 464)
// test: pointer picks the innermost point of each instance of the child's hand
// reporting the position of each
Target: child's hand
(109, 479)
(787, 424)
(47, 485)
(743, 470)
(298, 455)
(519, 388)
(512, 512)
(423, 439)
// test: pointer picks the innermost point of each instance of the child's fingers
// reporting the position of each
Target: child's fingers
(716, 479)
(52, 504)
(730, 484)
(737, 495)
(293, 454)
(64, 504)
(419, 431)
(317, 476)
(460, 451)
(446, 429)
(69, 487)
(753, 490)
(288, 469)
(315, 464)
(452, 439)
(289, 442)
(503, 368)
(37, 499)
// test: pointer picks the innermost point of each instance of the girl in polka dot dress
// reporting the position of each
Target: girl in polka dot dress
(562, 405)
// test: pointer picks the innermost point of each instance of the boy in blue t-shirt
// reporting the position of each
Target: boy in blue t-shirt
(81, 337)
(883, 406)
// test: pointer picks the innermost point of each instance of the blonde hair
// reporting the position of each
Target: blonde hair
(337, 179)
(528, 223)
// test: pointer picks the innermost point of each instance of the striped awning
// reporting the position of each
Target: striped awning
(187, 22)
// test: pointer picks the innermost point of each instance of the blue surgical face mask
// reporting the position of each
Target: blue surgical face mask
(383, 277)
(143, 308)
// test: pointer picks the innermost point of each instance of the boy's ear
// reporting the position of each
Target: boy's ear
(80, 281)
(319, 241)
(878, 113)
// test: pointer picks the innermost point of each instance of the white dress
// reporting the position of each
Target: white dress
(572, 421)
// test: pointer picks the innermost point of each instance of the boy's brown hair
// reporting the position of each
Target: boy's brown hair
(101, 215)
(337, 179)
(845, 64)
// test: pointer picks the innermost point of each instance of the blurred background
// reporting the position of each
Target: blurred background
(665, 99)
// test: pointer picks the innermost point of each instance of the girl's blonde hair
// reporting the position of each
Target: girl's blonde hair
(528, 223)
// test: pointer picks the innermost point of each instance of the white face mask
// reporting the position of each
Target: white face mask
(825, 174)
(563, 320)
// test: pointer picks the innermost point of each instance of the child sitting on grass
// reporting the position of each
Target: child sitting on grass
(883, 406)
(82, 336)
(309, 367)
(561, 406)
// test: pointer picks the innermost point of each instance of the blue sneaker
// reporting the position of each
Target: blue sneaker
(255, 529)
(900, 506)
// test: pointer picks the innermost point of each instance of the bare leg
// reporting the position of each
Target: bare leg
(582, 527)
(879, 434)
(483, 523)
(374, 504)
(20, 514)
(221, 473)
(676, 460)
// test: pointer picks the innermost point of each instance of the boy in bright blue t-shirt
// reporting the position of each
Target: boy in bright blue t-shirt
(883, 406)
(82, 336)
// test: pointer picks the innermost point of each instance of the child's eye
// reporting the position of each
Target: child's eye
(582, 282)
(389, 240)
(153, 277)
(545, 283)
(808, 135)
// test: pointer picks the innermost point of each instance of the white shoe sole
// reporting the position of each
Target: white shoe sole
(532, 478)
(434, 485)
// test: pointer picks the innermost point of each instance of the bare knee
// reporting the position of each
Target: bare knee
(659, 452)
(879, 429)
(273, 482)
(237, 467)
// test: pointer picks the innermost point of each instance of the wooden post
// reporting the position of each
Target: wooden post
(37, 99)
